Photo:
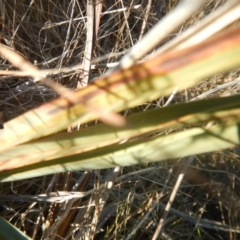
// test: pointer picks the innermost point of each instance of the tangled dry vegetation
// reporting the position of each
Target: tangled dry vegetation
(53, 34)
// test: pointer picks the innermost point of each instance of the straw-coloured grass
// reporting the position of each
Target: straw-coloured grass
(124, 203)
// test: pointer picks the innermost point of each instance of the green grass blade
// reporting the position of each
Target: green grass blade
(174, 145)
(63, 144)
(9, 232)
(127, 88)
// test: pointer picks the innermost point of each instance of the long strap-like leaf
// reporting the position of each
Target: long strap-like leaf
(127, 88)
(175, 145)
(62, 144)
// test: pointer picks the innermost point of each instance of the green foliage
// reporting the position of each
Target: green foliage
(119, 91)
(9, 232)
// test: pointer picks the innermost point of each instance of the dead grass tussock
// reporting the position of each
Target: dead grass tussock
(122, 203)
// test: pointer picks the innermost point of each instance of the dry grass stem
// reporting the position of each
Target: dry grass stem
(49, 49)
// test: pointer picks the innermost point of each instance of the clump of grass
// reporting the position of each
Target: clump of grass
(124, 203)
